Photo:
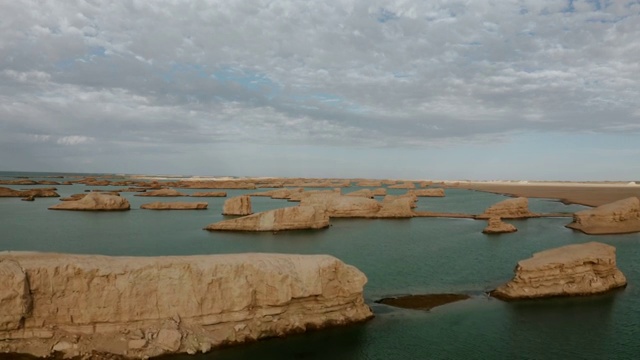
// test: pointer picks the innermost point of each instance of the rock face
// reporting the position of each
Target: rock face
(406, 185)
(365, 193)
(176, 205)
(210, 194)
(143, 306)
(398, 207)
(44, 192)
(95, 201)
(344, 206)
(495, 225)
(581, 269)
(517, 208)
(438, 192)
(278, 194)
(290, 218)
(162, 193)
(619, 217)
(238, 205)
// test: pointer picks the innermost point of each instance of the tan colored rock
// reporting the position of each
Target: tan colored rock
(365, 193)
(299, 196)
(369, 183)
(343, 206)
(424, 184)
(405, 185)
(400, 207)
(380, 192)
(437, 192)
(95, 201)
(43, 192)
(73, 197)
(175, 205)
(290, 218)
(144, 306)
(216, 184)
(162, 193)
(571, 270)
(619, 217)
(410, 195)
(238, 205)
(495, 225)
(517, 208)
(210, 194)
(278, 194)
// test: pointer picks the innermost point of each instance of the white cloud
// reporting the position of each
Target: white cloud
(75, 140)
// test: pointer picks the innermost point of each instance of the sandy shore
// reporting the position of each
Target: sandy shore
(590, 194)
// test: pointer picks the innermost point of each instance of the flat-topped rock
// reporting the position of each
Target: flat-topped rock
(436, 192)
(398, 207)
(344, 206)
(299, 196)
(571, 270)
(369, 183)
(42, 192)
(95, 201)
(279, 193)
(290, 218)
(238, 205)
(619, 217)
(495, 225)
(405, 185)
(209, 194)
(175, 205)
(162, 193)
(517, 208)
(365, 193)
(141, 307)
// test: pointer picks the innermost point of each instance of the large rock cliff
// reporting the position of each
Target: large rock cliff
(571, 270)
(146, 306)
(290, 218)
(517, 208)
(619, 217)
(237, 205)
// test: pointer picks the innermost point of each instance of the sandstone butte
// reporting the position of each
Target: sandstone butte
(278, 194)
(237, 205)
(365, 193)
(175, 205)
(149, 306)
(289, 218)
(369, 183)
(406, 185)
(581, 269)
(618, 217)
(162, 193)
(495, 225)
(438, 192)
(95, 201)
(298, 196)
(517, 208)
(379, 192)
(340, 206)
(45, 192)
(210, 194)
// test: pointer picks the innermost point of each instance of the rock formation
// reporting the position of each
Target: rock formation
(365, 193)
(380, 192)
(344, 206)
(162, 193)
(437, 192)
(290, 218)
(176, 205)
(298, 196)
(495, 225)
(210, 194)
(141, 307)
(238, 205)
(406, 185)
(369, 183)
(410, 195)
(278, 194)
(399, 207)
(73, 197)
(95, 201)
(517, 208)
(581, 269)
(215, 184)
(43, 192)
(619, 217)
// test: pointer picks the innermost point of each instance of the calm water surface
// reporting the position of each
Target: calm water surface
(411, 256)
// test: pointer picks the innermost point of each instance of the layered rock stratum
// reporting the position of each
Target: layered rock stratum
(581, 269)
(238, 205)
(619, 217)
(175, 205)
(517, 208)
(95, 201)
(289, 218)
(141, 307)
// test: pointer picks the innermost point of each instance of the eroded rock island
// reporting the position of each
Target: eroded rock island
(619, 217)
(289, 218)
(572, 270)
(95, 201)
(148, 306)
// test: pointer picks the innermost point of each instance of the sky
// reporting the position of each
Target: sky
(479, 90)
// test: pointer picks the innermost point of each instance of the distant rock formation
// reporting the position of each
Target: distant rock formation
(619, 217)
(238, 205)
(141, 307)
(73, 197)
(176, 205)
(95, 201)
(571, 270)
(341, 206)
(406, 185)
(365, 193)
(369, 183)
(410, 195)
(399, 207)
(210, 194)
(290, 218)
(517, 208)
(278, 194)
(380, 192)
(215, 184)
(162, 193)
(299, 196)
(437, 192)
(43, 192)
(495, 225)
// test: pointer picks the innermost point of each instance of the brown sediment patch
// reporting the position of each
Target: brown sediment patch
(422, 302)
(589, 194)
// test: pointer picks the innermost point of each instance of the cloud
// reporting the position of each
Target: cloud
(345, 73)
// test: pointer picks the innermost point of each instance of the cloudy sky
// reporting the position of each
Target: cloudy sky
(509, 89)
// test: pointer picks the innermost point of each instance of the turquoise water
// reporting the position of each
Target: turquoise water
(421, 255)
